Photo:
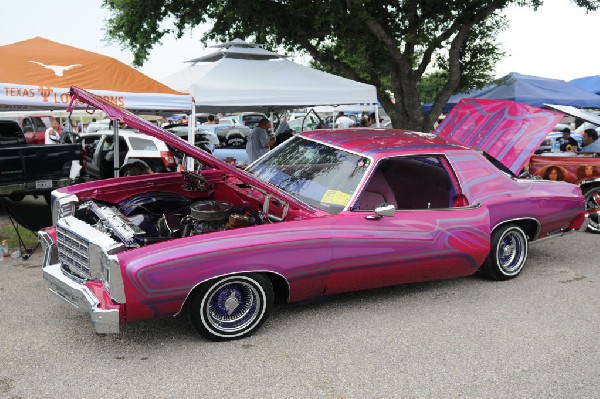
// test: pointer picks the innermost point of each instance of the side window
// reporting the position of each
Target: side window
(142, 144)
(90, 143)
(10, 134)
(408, 183)
(28, 125)
(38, 124)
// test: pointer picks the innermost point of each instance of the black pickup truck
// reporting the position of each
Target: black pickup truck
(32, 169)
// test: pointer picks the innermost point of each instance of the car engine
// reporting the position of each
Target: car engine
(153, 217)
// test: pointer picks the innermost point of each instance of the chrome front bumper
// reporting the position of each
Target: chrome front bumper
(73, 292)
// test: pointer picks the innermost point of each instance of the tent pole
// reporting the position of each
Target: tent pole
(191, 134)
(377, 115)
(115, 147)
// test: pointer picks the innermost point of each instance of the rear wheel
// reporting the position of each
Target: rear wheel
(592, 201)
(508, 253)
(231, 307)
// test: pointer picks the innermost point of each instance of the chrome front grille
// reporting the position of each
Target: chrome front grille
(73, 252)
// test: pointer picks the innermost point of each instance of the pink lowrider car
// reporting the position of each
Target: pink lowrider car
(327, 212)
(582, 169)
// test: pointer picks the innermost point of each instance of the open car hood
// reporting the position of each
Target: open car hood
(114, 112)
(507, 130)
(576, 112)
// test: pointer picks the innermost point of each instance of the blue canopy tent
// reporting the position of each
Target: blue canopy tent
(531, 90)
(588, 83)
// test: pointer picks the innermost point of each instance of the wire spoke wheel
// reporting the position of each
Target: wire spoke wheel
(592, 201)
(231, 307)
(508, 253)
(511, 252)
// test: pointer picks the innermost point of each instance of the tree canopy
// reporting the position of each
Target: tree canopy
(393, 45)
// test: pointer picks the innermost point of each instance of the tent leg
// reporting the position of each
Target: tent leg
(191, 134)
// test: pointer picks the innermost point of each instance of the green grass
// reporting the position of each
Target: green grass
(7, 232)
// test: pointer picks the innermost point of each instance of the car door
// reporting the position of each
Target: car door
(93, 145)
(427, 238)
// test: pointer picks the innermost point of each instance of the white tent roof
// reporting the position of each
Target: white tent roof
(230, 85)
(251, 53)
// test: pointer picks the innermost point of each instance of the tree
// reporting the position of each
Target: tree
(389, 44)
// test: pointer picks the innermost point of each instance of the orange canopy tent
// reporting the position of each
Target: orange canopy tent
(37, 74)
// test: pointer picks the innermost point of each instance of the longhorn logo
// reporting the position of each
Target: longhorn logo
(57, 69)
(45, 92)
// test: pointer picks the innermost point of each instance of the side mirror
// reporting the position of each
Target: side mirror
(383, 210)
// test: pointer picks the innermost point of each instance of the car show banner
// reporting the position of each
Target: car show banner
(14, 97)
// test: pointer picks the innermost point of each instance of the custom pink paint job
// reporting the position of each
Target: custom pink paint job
(313, 252)
(573, 169)
(507, 130)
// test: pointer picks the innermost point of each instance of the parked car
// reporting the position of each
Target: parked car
(30, 168)
(582, 169)
(34, 125)
(303, 123)
(249, 119)
(328, 211)
(133, 147)
(230, 132)
(203, 138)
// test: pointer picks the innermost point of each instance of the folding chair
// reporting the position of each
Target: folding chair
(30, 217)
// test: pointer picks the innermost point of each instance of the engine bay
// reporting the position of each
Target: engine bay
(160, 216)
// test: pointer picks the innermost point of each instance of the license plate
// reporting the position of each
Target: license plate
(43, 184)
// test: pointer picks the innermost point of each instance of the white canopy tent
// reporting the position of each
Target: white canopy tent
(243, 77)
(230, 85)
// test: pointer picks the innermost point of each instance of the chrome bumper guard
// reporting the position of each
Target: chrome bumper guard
(79, 296)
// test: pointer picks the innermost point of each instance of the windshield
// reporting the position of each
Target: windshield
(319, 175)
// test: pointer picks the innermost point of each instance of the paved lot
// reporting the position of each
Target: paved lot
(535, 336)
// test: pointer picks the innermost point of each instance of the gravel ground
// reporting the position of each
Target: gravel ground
(534, 336)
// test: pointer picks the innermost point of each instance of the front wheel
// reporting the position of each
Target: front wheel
(231, 307)
(508, 253)
(592, 201)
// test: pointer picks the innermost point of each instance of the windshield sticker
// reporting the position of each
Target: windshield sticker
(336, 197)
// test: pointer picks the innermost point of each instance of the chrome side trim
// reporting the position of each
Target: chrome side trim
(557, 234)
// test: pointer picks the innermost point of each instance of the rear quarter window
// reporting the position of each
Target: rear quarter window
(10, 134)
(142, 144)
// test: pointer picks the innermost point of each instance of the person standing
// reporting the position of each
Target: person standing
(343, 122)
(52, 136)
(259, 141)
(210, 120)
